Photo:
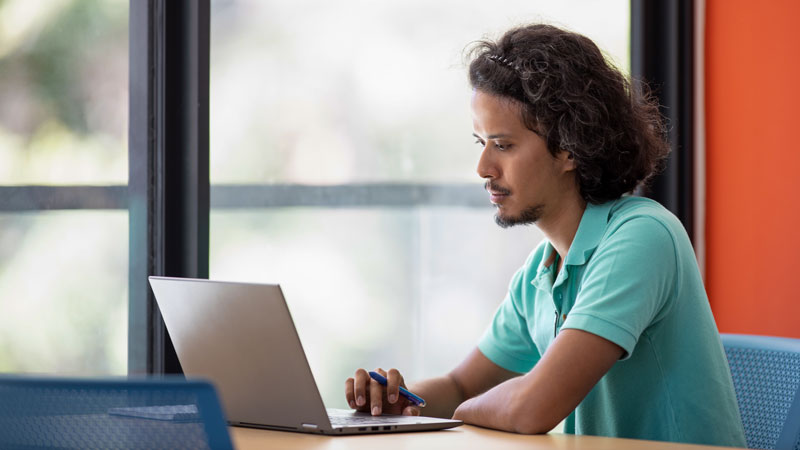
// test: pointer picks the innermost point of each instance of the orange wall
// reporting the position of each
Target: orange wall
(752, 61)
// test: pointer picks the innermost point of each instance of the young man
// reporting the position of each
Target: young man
(607, 324)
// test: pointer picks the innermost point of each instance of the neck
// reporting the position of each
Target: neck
(561, 224)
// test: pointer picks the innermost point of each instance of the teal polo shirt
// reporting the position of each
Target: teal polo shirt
(631, 277)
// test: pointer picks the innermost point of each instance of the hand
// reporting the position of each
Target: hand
(462, 411)
(367, 395)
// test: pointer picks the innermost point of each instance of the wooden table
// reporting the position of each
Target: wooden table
(465, 437)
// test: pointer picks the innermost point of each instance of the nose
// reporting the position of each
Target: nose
(486, 165)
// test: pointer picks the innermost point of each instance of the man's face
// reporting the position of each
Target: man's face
(524, 180)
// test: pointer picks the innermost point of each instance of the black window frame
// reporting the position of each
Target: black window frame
(662, 55)
(168, 185)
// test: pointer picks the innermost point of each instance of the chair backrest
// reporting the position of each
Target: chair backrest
(42, 412)
(766, 377)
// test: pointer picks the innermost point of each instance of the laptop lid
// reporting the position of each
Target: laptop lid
(242, 337)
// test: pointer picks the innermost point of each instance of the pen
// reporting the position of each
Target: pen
(413, 398)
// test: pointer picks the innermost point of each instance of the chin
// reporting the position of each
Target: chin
(527, 217)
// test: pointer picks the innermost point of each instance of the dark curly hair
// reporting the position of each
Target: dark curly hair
(578, 102)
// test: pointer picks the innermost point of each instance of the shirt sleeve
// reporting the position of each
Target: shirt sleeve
(507, 341)
(627, 284)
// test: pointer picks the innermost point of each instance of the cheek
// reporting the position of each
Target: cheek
(534, 169)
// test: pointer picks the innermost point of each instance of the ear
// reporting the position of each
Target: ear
(566, 159)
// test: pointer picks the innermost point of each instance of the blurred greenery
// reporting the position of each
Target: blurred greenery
(62, 51)
(63, 91)
(63, 115)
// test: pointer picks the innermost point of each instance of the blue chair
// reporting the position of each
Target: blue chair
(42, 412)
(766, 376)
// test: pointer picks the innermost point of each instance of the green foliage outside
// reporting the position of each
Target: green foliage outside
(63, 120)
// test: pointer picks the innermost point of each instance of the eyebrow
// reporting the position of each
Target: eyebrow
(493, 136)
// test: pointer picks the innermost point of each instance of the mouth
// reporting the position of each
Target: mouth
(496, 193)
(497, 198)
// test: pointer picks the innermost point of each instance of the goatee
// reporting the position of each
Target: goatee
(527, 217)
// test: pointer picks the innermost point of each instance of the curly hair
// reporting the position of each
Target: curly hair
(579, 103)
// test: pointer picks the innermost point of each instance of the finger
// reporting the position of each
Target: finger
(411, 411)
(349, 392)
(386, 376)
(362, 380)
(375, 397)
(393, 385)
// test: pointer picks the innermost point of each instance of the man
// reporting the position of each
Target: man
(607, 324)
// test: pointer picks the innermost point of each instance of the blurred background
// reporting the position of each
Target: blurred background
(302, 92)
(63, 122)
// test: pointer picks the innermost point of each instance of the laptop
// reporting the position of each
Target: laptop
(242, 337)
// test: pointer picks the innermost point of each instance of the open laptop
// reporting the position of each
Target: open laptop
(242, 337)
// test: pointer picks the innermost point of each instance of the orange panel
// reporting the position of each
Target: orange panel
(752, 80)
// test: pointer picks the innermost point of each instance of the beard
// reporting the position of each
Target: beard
(528, 216)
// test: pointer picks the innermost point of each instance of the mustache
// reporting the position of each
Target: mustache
(490, 186)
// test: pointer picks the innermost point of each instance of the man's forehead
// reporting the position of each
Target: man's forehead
(496, 101)
(496, 115)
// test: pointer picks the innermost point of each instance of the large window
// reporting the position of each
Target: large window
(63, 175)
(343, 168)
(341, 165)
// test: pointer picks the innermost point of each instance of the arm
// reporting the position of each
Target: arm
(475, 375)
(443, 394)
(539, 400)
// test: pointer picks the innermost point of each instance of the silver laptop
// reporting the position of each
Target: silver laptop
(242, 337)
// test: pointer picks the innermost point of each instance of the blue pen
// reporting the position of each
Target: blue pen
(413, 398)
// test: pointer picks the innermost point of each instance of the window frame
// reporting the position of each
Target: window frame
(168, 185)
(662, 54)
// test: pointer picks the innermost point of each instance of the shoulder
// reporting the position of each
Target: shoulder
(641, 218)
(644, 238)
(640, 235)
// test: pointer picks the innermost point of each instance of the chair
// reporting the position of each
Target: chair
(42, 412)
(766, 377)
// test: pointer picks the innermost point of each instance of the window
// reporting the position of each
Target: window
(341, 161)
(63, 177)
(342, 167)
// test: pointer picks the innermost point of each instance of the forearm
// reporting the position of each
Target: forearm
(537, 401)
(442, 396)
(506, 407)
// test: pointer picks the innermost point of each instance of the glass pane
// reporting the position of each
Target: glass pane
(63, 121)
(63, 92)
(64, 284)
(323, 92)
(380, 287)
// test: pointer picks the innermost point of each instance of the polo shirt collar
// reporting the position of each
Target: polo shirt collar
(590, 233)
(545, 274)
(587, 238)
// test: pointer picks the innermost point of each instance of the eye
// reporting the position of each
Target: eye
(479, 141)
(502, 147)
